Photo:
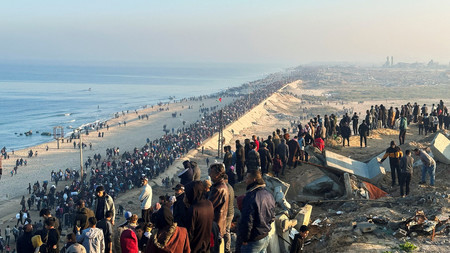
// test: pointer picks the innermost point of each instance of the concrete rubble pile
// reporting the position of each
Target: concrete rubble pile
(288, 219)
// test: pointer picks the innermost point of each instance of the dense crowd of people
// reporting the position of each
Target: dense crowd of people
(199, 217)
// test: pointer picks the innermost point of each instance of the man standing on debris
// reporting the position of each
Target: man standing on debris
(406, 170)
(363, 133)
(395, 153)
(403, 126)
(429, 165)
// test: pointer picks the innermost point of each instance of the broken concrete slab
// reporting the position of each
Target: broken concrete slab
(323, 185)
(371, 171)
(441, 148)
(303, 216)
(272, 182)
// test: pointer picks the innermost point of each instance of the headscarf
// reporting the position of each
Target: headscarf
(194, 192)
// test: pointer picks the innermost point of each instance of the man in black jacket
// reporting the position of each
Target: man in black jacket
(257, 214)
(179, 207)
(24, 244)
(240, 160)
(363, 133)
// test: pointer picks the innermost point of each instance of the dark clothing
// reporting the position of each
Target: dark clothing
(228, 160)
(219, 197)
(257, 215)
(200, 216)
(298, 244)
(100, 211)
(81, 218)
(394, 153)
(240, 162)
(186, 177)
(294, 149)
(23, 244)
(406, 164)
(180, 211)
(253, 160)
(107, 228)
(266, 159)
(53, 239)
(405, 179)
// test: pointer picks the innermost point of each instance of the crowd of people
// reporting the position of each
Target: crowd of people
(199, 217)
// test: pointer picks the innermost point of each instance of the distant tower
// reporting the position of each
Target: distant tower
(392, 60)
(387, 63)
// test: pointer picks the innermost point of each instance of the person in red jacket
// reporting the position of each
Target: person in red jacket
(129, 242)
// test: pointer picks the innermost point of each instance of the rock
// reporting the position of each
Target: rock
(321, 186)
(366, 227)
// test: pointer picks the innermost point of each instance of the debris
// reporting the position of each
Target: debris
(366, 227)
(303, 216)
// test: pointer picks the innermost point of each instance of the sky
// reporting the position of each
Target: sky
(234, 31)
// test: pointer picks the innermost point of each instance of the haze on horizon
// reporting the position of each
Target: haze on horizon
(254, 31)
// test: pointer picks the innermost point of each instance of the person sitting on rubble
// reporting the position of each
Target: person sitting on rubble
(298, 244)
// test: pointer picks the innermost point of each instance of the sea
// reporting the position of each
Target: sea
(40, 96)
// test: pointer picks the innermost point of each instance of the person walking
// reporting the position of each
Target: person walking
(82, 216)
(108, 233)
(394, 153)
(283, 152)
(428, 166)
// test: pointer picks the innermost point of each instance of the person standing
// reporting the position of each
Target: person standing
(253, 158)
(355, 119)
(394, 153)
(294, 151)
(7, 235)
(230, 214)
(82, 216)
(200, 217)
(283, 152)
(257, 215)
(102, 204)
(266, 158)
(179, 207)
(52, 236)
(240, 160)
(363, 133)
(91, 238)
(146, 199)
(403, 127)
(406, 171)
(24, 244)
(428, 166)
(219, 197)
(107, 227)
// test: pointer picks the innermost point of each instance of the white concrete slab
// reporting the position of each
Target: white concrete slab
(371, 171)
(441, 148)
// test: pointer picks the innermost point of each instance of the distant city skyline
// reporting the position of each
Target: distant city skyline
(282, 32)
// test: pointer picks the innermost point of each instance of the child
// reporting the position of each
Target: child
(277, 165)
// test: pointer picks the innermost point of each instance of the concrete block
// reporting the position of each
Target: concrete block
(274, 242)
(303, 216)
(366, 227)
(272, 182)
(371, 171)
(348, 186)
(441, 148)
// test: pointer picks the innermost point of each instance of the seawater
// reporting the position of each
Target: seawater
(38, 97)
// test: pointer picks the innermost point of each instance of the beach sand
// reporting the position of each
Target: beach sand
(134, 134)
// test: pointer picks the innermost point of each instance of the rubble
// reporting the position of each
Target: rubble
(441, 148)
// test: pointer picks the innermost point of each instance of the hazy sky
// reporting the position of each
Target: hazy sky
(276, 31)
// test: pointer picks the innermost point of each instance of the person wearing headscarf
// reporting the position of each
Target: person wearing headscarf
(168, 237)
(200, 217)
